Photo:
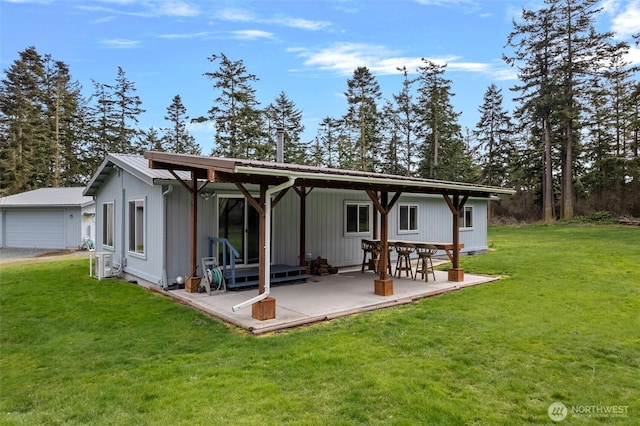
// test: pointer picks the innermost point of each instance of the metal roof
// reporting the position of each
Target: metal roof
(218, 169)
(48, 197)
(135, 164)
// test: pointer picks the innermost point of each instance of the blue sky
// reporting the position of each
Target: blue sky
(306, 48)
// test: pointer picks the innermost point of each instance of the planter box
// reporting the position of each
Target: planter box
(192, 284)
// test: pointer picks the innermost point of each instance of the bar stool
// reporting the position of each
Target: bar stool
(370, 248)
(403, 263)
(425, 254)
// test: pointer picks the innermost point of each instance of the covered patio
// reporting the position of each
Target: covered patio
(321, 298)
(274, 180)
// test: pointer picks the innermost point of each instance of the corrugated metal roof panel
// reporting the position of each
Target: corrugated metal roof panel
(60, 197)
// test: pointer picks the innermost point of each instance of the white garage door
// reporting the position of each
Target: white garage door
(35, 228)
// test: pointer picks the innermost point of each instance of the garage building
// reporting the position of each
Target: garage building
(57, 218)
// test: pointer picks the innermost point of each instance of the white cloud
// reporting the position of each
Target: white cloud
(251, 34)
(185, 36)
(120, 43)
(236, 15)
(633, 56)
(627, 22)
(177, 8)
(243, 15)
(344, 58)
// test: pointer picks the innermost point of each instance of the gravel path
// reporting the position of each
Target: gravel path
(9, 254)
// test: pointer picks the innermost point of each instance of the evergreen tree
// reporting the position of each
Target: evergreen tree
(363, 118)
(23, 165)
(444, 153)
(493, 133)
(127, 109)
(237, 120)
(535, 56)
(150, 140)
(401, 118)
(177, 138)
(63, 102)
(282, 113)
(391, 147)
(326, 153)
(102, 125)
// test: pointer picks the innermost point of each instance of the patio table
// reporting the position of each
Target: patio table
(446, 247)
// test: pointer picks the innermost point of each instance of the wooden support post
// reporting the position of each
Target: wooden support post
(384, 285)
(194, 225)
(456, 273)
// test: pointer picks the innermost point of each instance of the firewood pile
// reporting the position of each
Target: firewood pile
(626, 220)
(320, 266)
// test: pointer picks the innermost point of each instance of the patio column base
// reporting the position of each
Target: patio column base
(192, 284)
(265, 309)
(456, 274)
(383, 287)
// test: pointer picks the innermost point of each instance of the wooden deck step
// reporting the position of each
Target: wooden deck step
(280, 274)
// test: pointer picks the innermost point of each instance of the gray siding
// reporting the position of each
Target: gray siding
(120, 188)
(178, 231)
(325, 230)
(325, 235)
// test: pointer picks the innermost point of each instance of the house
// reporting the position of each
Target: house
(146, 221)
(56, 218)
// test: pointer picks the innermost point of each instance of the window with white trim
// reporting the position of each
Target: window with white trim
(136, 226)
(466, 218)
(107, 224)
(407, 218)
(357, 218)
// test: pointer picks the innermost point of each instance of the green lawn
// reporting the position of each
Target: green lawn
(564, 325)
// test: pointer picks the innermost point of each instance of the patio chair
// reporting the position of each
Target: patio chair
(425, 254)
(403, 262)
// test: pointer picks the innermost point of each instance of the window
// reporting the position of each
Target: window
(136, 226)
(466, 218)
(107, 224)
(408, 218)
(357, 218)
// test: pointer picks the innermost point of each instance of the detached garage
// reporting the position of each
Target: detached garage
(58, 218)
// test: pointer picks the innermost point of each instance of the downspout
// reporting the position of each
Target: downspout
(267, 243)
(165, 281)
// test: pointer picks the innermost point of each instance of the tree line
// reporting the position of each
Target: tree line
(570, 146)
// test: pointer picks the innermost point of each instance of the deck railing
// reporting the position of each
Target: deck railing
(228, 250)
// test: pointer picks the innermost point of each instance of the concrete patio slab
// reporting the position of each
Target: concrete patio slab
(320, 298)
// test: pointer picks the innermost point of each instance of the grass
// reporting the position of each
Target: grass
(562, 326)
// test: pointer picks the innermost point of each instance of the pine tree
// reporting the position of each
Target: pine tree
(127, 109)
(176, 137)
(101, 125)
(363, 118)
(282, 113)
(150, 140)
(326, 152)
(493, 133)
(64, 101)
(23, 129)
(237, 120)
(535, 56)
(400, 117)
(444, 154)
